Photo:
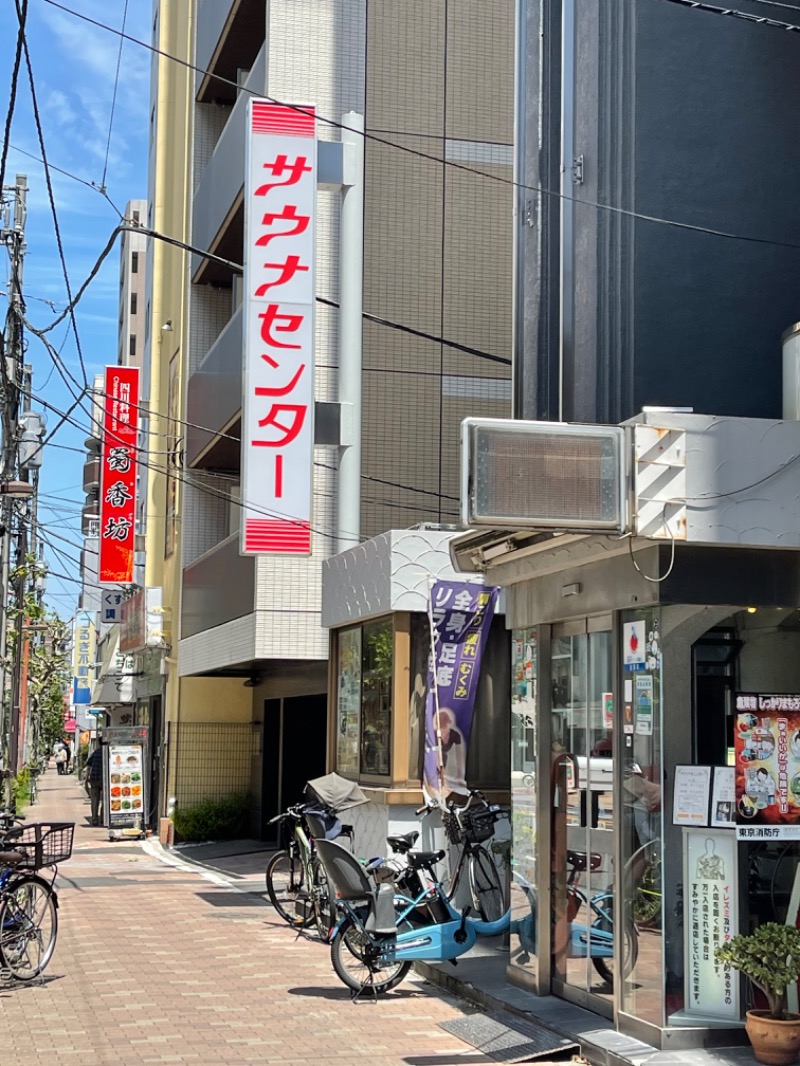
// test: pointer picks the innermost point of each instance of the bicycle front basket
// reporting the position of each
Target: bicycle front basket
(45, 844)
(478, 823)
(452, 830)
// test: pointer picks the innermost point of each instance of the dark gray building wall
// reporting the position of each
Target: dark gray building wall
(682, 115)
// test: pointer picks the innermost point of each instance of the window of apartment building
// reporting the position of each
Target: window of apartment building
(364, 698)
(134, 262)
(132, 345)
(134, 302)
(136, 217)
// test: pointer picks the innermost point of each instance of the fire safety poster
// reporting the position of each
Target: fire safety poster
(767, 745)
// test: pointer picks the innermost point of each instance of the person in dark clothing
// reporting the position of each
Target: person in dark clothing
(94, 775)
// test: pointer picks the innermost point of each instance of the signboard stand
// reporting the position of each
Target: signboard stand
(125, 785)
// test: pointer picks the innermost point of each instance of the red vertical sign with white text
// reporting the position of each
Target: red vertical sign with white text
(279, 293)
(118, 474)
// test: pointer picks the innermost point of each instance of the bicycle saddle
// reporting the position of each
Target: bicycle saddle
(578, 860)
(418, 860)
(11, 858)
(403, 843)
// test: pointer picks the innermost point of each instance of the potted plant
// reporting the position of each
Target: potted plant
(770, 958)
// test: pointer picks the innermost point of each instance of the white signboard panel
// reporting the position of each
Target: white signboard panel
(710, 919)
(279, 297)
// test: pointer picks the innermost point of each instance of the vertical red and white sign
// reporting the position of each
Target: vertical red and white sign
(279, 292)
(118, 474)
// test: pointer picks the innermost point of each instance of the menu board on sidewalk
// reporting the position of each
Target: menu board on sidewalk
(125, 792)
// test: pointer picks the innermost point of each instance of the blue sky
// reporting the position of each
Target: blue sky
(74, 66)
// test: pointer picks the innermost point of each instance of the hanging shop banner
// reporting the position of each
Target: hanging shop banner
(460, 615)
(118, 474)
(710, 919)
(83, 657)
(125, 787)
(279, 300)
(767, 745)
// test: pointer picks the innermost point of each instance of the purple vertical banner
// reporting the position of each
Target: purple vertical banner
(460, 616)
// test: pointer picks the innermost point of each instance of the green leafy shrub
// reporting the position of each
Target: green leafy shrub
(770, 958)
(213, 819)
(22, 789)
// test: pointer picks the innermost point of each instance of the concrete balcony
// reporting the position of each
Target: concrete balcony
(229, 35)
(217, 210)
(91, 474)
(217, 588)
(214, 401)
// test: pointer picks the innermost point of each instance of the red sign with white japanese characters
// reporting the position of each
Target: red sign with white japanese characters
(118, 474)
(279, 293)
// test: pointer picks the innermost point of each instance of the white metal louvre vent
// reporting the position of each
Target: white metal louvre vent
(542, 475)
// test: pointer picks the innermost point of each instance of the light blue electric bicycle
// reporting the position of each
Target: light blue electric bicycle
(379, 934)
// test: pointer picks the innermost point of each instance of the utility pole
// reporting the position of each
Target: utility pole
(11, 363)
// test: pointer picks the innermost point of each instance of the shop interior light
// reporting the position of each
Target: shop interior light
(752, 610)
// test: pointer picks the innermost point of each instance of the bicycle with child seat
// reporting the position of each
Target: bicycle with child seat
(382, 928)
(296, 883)
(28, 900)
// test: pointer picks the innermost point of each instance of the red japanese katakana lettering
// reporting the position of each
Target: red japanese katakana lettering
(296, 170)
(271, 319)
(261, 391)
(290, 428)
(288, 269)
(288, 214)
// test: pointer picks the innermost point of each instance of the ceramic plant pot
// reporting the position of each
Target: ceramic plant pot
(775, 1043)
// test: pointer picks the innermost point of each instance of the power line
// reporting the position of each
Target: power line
(12, 96)
(68, 174)
(50, 195)
(114, 97)
(555, 193)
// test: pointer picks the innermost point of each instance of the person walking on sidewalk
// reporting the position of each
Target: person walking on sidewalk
(94, 775)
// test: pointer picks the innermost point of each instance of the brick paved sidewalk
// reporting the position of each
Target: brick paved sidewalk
(158, 965)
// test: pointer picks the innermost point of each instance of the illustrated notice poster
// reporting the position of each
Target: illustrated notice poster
(710, 919)
(767, 747)
(692, 795)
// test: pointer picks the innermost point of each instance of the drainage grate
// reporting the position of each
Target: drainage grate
(503, 1037)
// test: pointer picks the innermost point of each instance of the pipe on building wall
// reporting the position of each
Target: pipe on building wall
(566, 347)
(351, 288)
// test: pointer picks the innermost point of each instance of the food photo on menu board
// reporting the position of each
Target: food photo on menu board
(767, 747)
(125, 780)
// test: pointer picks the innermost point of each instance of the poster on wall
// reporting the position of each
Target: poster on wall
(710, 919)
(723, 798)
(634, 644)
(767, 751)
(644, 705)
(691, 795)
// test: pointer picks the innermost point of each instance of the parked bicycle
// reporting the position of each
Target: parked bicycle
(468, 827)
(296, 881)
(28, 900)
(378, 933)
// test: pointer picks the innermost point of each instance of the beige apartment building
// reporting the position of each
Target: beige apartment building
(434, 80)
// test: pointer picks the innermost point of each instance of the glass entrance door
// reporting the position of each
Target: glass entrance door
(582, 929)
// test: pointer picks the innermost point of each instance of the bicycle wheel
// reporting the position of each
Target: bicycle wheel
(630, 951)
(355, 961)
(28, 927)
(321, 897)
(484, 885)
(287, 890)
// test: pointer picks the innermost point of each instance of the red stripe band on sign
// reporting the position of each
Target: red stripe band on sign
(275, 118)
(278, 536)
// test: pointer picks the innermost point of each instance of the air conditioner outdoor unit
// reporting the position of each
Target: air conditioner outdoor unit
(543, 476)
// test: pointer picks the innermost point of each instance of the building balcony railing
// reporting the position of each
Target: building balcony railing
(217, 588)
(214, 401)
(216, 206)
